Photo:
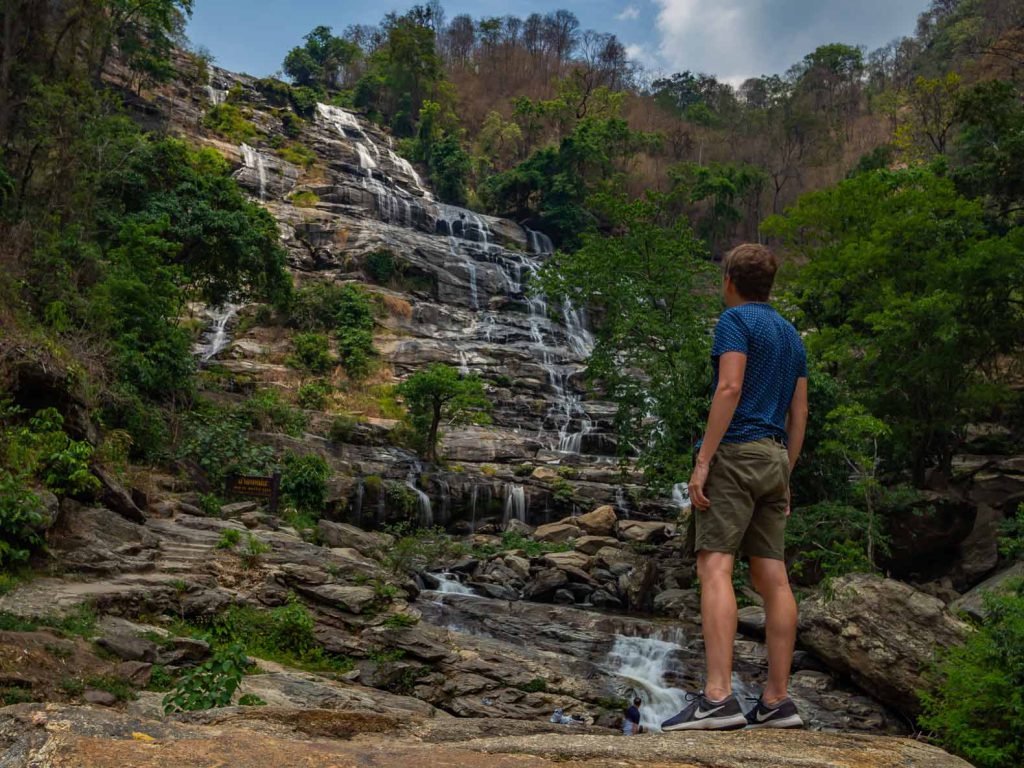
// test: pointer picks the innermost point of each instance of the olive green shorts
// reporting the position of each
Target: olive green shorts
(747, 487)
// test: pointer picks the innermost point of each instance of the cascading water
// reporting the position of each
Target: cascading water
(426, 511)
(681, 496)
(642, 663)
(449, 584)
(217, 96)
(254, 159)
(515, 503)
(216, 338)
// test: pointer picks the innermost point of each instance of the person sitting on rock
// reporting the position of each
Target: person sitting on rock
(631, 719)
(740, 491)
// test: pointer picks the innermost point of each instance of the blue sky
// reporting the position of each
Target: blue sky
(731, 38)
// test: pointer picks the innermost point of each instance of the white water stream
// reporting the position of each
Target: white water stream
(216, 337)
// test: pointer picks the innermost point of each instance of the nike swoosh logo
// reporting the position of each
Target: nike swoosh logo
(767, 714)
(701, 715)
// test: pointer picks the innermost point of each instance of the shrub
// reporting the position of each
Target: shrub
(310, 352)
(303, 156)
(254, 548)
(355, 346)
(20, 520)
(400, 621)
(522, 470)
(516, 540)
(217, 442)
(251, 700)
(537, 685)
(229, 538)
(380, 266)
(304, 199)
(1011, 542)
(304, 480)
(291, 124)
(42, 448)
(118, 687)
(416, 550)
(227, 120)
(328, 307)
(977, 706)
(313, 395)
(267, 411)
(342, 428)
(209, 685)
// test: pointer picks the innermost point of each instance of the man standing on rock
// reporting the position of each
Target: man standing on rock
(740, 491)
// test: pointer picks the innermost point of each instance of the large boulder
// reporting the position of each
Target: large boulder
(645, 532)
(973, 603)
(600, 522)
(882, 633)
(591, 545)
(345, 536)
(566, 559)
(557, 533)
(638, 585)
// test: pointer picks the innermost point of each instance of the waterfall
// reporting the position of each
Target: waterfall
(217, 96)
(216, 337)
(463, 363)
(360, 493)
(253, 159)
(581, 342)
(621, 502)
(426, 516)
(515, 503)
(681, 496)
(365, 160)
(472, 508)
(449, 584)
(341, 120)
(643, 662)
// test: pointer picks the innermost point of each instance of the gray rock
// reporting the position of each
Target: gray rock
(973, 602)
(677, 602)
(751, 620)
(137, 673)
(645, 532)
(129, 647)
(346, 536)
(563, 597)
(591, 545)
(183, 651)
(637, 586)
(545, 583)
(557, 533)
(351, 599)
(880, 632)
(114, 496)
(99, 698)
(238, 508)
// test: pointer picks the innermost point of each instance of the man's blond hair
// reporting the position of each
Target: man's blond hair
(752, 268)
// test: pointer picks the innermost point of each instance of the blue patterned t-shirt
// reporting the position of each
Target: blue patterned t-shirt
(775, 360)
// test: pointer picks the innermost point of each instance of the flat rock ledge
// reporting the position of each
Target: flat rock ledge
(57, 736)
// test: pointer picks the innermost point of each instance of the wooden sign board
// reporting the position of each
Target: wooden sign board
(260, 487)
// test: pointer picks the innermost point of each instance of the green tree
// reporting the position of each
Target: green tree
(910, 300)
(977, 706)
(439, 393)
(322, 62)
(649, 284)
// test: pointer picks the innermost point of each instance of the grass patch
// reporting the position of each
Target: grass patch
(116, 686)
(14, 695)
(304, 199)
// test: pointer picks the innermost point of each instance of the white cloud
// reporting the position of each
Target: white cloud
(629, 13)
(720, 38)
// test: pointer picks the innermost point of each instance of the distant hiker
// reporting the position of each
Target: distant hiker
(740, 491)
(631, 719)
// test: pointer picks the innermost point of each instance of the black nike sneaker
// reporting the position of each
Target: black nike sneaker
(782, 715)
(706, 715)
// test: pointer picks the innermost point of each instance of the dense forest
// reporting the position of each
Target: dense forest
(891, 182)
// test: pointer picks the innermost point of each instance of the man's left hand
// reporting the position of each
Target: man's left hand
(696, 486)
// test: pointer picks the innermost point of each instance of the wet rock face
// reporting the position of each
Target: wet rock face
(881, 632)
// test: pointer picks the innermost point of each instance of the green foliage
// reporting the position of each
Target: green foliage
(42, 449)
(253, 550)
(251, 700)
(342, 428)
(116, 686)
(322, 61)
(266, 411)
(344, 310)
(218, 444)
(313, 395)
(229, 538)
(20, 521)
(1011, 539)
(161, 680)
(209, 685)
(537, 685)
(511, 540)
(436, 393)
(400, 621)
(380, 266)
(976, 707)
(727, 190)
(13, 695)
(416, 550)
(649, 282)
(437, 146)
(304, 199)
(908, 298)
(304, 480)
(310, 352)
(228, 121)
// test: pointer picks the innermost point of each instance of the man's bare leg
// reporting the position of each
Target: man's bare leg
(718, 613)
(772, 582)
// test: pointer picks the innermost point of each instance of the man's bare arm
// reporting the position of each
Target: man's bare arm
(796, 422)
(731, 368)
